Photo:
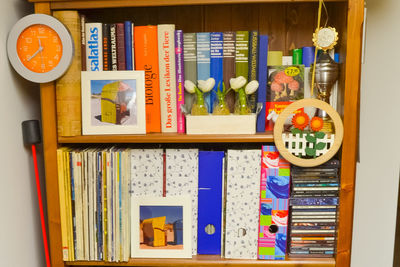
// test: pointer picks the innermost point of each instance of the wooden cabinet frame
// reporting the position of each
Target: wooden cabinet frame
(350, 80)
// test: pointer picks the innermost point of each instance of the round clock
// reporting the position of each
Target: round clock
(40, 48)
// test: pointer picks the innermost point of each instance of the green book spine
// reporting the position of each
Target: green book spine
(242, 54)
(253, 67)
(190, 63)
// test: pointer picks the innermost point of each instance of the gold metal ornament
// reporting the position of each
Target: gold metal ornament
(325, 38)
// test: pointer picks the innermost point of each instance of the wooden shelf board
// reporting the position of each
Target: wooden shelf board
(170, 138)
(212, 260)
(88, 4)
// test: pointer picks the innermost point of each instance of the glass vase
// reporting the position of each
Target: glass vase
(242, 103)
(199, 107)
(220, 106)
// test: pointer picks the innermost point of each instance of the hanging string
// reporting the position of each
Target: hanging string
(321, 2)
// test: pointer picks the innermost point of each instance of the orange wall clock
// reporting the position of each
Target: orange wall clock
(40, 48)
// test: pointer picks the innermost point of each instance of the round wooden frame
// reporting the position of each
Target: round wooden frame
(279, 124)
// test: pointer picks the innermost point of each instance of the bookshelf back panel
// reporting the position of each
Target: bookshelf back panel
(289, 25)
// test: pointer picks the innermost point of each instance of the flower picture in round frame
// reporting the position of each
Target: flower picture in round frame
(311, 140)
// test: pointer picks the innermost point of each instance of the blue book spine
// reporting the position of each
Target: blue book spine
(262, 80)
(128, 45)
(216, 67)
(210, 202)
(203, 60)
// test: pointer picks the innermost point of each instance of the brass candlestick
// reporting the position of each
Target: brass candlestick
(326, 74)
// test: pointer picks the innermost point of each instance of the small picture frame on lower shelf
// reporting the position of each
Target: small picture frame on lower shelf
(161, 227)
(113, 102)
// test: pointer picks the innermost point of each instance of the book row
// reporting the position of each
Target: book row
(117, 203)
(169, 57)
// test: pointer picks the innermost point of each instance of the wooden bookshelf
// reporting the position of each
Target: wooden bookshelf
(288, 22)
(211, 260)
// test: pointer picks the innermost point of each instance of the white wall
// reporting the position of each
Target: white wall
(378, 170)
(20, 231)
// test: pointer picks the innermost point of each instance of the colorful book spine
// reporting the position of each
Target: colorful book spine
(128, 45)
(216, 64)
(146, 51)
(274, 205)
(166, 55)
(180, 90)
(229, 66)
(203, 60)
(253, 66)
(94, 47)
(262, 81)
(120, 32)
(63, 204)
(190, 63)
(210, 202)
(113, 46)
(106, 47)
(83, 39)
(242, 54)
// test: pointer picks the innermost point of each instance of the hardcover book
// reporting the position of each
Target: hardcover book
(190, 63)
(242, 54)
(203, 60)
(166, 55)
(229, 66)
(216, 64)
(253, 66)
(262, 80)
(113, 46)
(83, 37)
(128, 45)
(120, 33)
(106, 47)
(94, 46)
(68, 91)
(285, 85)
(180, 90)
(146, 51)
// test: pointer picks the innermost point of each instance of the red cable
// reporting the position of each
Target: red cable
(46, 246)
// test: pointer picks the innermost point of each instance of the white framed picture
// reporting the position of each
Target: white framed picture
(161, 227)
(113, 102)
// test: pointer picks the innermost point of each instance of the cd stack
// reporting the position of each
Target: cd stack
(313, 208)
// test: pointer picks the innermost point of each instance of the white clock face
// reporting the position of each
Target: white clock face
(325, 37)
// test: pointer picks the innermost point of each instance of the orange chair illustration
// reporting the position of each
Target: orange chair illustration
(154, 233)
